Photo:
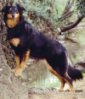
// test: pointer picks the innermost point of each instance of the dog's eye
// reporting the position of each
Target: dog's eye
(13, 9)
(10, 9)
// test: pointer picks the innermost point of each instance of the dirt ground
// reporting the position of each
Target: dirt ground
(12, 87)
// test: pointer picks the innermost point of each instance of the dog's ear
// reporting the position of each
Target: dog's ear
(4, 9)
(21, 8)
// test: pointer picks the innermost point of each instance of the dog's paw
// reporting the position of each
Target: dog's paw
(13, 70)
(18, 72)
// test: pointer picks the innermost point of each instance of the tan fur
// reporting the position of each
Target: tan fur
(12, 21)
(62, 80)
(21, 66)
(15, 41)
(9, 16)
(70, 85)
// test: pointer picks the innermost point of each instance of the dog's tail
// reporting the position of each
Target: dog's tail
(74, 73)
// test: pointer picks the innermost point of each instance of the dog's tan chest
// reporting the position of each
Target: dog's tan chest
(15, 41)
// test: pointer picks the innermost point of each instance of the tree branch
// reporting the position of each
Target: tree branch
(68, 7)
(66, 28)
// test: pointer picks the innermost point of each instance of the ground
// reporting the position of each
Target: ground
(12, 87)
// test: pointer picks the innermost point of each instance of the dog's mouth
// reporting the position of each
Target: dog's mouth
(12, 20)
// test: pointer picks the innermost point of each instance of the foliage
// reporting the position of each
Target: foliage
(50, 9)
(81, 7)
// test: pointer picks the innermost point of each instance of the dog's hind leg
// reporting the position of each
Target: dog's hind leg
(69, 81)
(61, 79)
(21, 63)
(64, 78)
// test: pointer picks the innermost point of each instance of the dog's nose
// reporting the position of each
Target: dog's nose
(13, 15)
(16, 15)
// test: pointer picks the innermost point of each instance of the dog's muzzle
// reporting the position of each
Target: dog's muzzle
(12, 20)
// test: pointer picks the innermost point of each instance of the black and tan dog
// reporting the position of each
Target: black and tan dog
(28, 42)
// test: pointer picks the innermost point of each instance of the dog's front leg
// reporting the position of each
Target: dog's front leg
(21, 63)
(18, 69)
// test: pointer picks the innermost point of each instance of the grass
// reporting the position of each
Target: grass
(50, 82)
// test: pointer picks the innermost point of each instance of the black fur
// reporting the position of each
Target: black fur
(41, 47)
(74, 73)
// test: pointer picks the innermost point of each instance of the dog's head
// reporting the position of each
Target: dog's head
(12, 14)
